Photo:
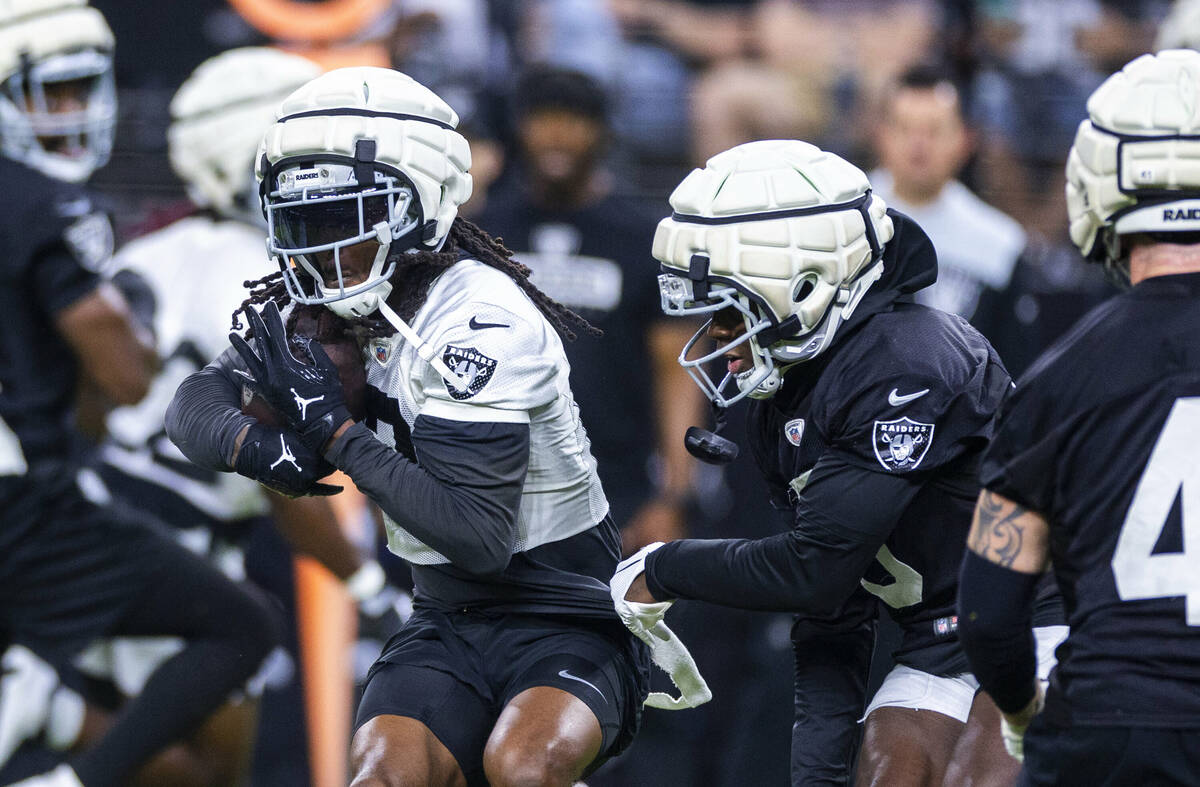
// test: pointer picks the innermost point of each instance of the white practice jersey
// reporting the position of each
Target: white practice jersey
(491, 334)
(195, 268)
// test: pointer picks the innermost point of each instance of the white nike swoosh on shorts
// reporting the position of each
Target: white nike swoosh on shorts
(562, 673)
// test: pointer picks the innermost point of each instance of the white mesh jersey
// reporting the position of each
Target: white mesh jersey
(195, 268)
(488, 331)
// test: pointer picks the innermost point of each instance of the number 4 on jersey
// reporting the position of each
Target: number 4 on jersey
(1173, 471)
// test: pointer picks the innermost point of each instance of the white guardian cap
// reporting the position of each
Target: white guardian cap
(785, 233)
(218, 117)
(1135, 164)
(359, 154)
(58, 105)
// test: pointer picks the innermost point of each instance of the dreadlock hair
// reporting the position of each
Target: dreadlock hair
(477, 244)
(416, 272)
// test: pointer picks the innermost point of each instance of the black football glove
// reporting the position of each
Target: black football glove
(278, 460)
(309, 394)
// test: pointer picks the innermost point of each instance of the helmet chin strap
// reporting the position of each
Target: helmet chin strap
(423, 348)
(375, 299)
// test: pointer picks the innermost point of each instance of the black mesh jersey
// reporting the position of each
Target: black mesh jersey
(1101, 437)
(54, 240)
(911, 392)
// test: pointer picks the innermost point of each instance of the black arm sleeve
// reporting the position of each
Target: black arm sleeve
(205, 417)
(843, 516)
(462, 495)
(833, 660)
(995, 628)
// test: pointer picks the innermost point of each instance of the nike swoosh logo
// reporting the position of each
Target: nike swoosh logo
(895, 399)
(562, 673)
(476, 325)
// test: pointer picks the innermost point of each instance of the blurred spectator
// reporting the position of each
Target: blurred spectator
(805, 69)
(922, 144)
(458, 48)
(646, 52)
(589, 248)
(1043, 59)
(1181, 27)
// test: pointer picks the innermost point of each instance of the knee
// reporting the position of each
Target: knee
(552, 765)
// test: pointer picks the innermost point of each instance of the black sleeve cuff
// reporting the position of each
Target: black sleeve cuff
(995, 627)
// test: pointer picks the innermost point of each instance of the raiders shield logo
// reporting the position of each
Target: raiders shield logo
(793, 430)
(900, 445)
(470, 365)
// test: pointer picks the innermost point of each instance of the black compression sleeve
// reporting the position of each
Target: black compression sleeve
(995, 627)
(463, 496)
(843, 515)
(205, 418)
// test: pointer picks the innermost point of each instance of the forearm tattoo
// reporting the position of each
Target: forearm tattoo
(997, 534)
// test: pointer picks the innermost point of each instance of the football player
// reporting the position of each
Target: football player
(1094, 467)
(69, 570)
(192, 271)
(868, 419)
(513, 668)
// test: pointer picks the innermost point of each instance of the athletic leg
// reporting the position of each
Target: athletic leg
(912, 725)
(545, 737)
(419, 725)
(228, 632)
(396, 751)
(979, 758)
(902, 746)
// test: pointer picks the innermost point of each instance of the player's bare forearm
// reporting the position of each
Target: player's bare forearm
(1008, 534)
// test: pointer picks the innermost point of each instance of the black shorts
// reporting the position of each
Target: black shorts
(454, 672)
(73, 573)
(1110, 756)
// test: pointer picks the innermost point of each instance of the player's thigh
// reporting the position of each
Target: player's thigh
(434, 725)
(544, 736)
(979, 758)
(573, 699)
(912, 725)
(398, 751)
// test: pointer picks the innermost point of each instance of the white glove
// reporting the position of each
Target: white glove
(666, 649)
(1014, 734)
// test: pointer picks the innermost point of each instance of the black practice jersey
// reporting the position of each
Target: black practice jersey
(912, 393)
(875, 447)
(54, 240)
(1101, 438)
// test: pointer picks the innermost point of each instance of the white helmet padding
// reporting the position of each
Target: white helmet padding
(43, 42)
(1135, 163)
(788, 235)
(218, 117)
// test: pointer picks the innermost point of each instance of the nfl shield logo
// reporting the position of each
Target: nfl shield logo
(793, 430)
(900, 445)
(381, 351)
(472, 366)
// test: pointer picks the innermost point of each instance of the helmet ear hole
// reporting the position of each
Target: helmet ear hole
(804, 288)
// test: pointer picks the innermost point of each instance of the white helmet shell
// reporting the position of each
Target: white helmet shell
(47, 41)
(412, 128)
(785, 232)
(218, 117)
(1135, 163)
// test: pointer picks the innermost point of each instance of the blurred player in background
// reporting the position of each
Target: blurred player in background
(70, 571)
(513, 668)
(189, 276)
(1094, 467)
(870, 416)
